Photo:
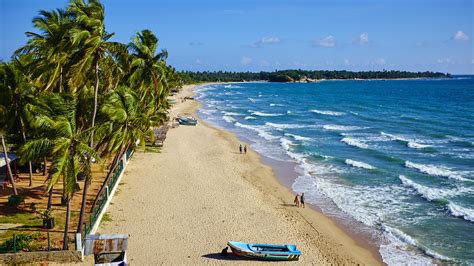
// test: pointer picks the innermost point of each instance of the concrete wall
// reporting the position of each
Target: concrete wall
(67, 256)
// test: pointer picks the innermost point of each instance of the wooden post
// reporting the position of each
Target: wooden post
(49, 242)
(14, 243)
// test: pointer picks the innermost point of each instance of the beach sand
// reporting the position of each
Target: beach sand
(182, 205)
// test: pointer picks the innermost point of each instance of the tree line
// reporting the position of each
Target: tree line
(72, 96)
(302, 75)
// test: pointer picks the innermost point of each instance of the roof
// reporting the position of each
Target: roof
(11, 157)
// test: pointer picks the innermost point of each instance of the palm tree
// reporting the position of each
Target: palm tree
(69, 150)
(125, 122)
(148, 67)
(92, 40)
(50, 49)
(18, 95)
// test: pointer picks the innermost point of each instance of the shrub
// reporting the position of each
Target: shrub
(15, 200)
(23, 242)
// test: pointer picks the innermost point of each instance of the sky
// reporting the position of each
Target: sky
(412, 35)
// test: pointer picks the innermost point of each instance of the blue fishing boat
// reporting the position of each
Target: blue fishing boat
(264, 251)
(187, 119)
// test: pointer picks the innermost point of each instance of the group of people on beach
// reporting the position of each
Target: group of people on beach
(243, 149)
(299, 200)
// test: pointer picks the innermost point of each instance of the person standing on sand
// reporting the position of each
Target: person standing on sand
(245, 148)
(297, 200)
(240, 148)
(302, 200)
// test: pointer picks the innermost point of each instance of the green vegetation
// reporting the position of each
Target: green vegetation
(73, 96)
(106, 218)
(302, 75)
(19, 242)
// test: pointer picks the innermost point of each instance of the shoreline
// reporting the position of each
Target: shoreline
(284, 173)
(183, 204)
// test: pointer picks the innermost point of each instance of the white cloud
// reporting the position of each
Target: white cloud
(362, 39)
(347, 62)
(444, 61)
(265, 40)
(460, 36)
(380, 61)
(270, 40)
(328, 41)
(198, 61)
(246, 61)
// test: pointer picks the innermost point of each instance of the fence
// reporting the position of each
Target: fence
(103, 198)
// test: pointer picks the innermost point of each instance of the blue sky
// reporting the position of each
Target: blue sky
(271, 34)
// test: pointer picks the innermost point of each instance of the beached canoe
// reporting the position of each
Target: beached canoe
(265, 251)
(187, 120)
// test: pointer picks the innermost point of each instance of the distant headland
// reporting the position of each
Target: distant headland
(298, 75)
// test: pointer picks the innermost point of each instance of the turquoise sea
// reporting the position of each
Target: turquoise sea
(391, 159)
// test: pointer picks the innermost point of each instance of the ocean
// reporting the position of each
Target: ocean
(392, 159)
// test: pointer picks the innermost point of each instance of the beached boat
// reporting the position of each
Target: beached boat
(265, 251)
(187, 120)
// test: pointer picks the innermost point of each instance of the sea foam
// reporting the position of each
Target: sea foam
(259, 129)
(359, 164)
(265, 114)
(230, 86)
(284, 126)
(355, 143)
(427, 192)
(341, 128)
(410, 142)
(326, 112)
(465, 213)
(298, 137)
(436, 170)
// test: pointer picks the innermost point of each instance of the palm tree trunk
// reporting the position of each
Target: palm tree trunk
(61, 80)
(96, 92)
(30, 168)
(9, 170)
(50, 199)
(83, 205)
(89, 178)
(45, 168)
(66, 227)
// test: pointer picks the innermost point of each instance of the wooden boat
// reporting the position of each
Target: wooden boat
(187, 120)
(264, 251)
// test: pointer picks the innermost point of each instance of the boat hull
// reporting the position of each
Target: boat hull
(262, 255)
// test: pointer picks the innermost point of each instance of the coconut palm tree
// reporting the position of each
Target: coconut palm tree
(50, 49)
(69, 148)
(124, 122)
(148, 68)
(19, 96)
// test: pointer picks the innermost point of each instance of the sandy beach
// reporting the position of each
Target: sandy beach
(182, 205)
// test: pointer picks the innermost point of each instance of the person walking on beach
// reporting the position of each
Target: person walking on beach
(245, 148)
(297, 200)
(240, 148)
(302, 200)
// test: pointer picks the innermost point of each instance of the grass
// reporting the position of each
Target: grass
(106, 218)
(25, 218)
